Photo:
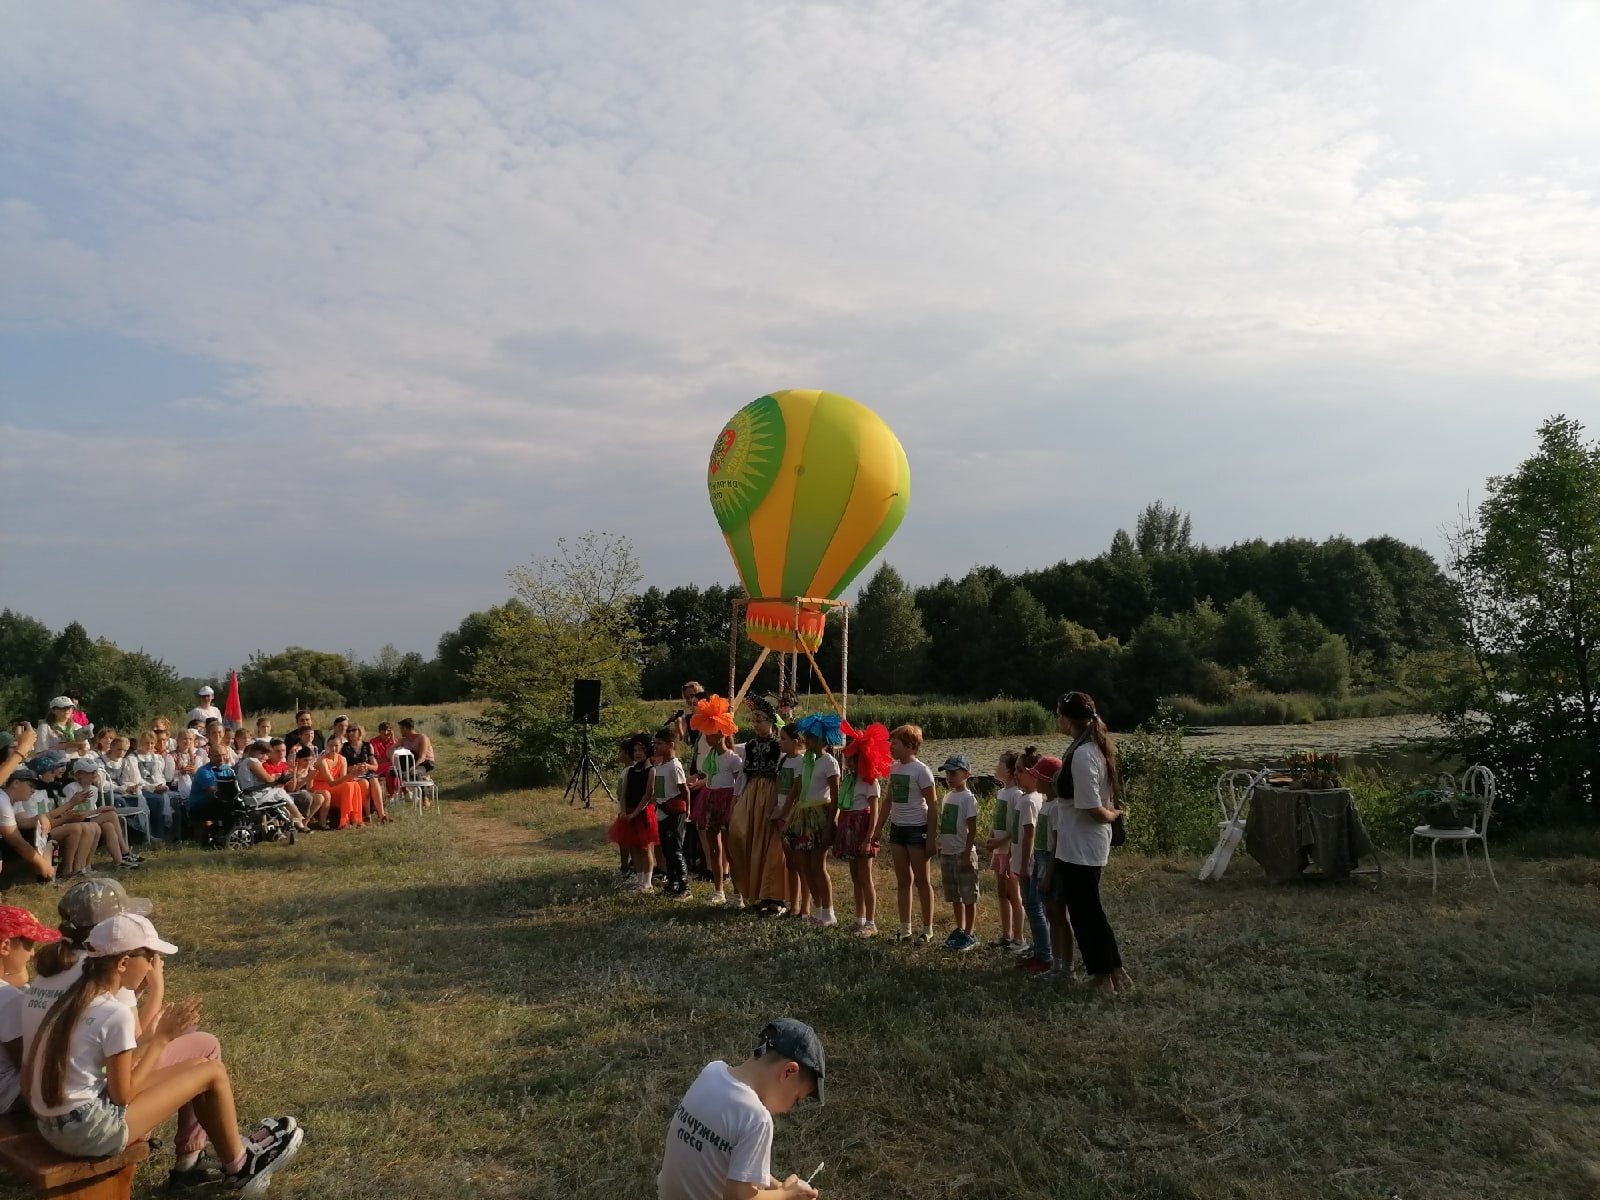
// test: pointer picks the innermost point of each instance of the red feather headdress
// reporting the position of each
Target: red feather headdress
(870, 748)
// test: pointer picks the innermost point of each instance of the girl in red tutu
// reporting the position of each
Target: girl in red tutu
(866, 760)
(635, 827)
(713, 804)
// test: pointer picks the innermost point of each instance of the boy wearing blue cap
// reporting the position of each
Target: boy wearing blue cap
(958, 852)
(719, 1141)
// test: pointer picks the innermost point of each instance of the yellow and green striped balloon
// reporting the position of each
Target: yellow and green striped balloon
(808, 487)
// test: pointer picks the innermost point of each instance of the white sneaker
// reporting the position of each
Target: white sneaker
(737, 901)
(716, 899)
(823, 920)
(866, 929)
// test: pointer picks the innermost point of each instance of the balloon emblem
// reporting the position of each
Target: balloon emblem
(808, 487)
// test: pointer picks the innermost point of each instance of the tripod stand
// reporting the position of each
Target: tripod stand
(586, 776)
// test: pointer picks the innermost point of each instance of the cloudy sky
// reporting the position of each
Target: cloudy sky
(316, 318)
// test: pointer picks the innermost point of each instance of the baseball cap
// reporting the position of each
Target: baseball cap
(798, 1041)
(91, 901)
(19, 922)
(1046, 769)
(125, 933)
(48, 760)
(62, 702)
(957, 762)
(208, 690)
(85, 764)
(22, 775)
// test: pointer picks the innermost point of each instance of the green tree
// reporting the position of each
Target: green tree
(887, 640)
(1248, 638)
(1162, 529)
(1527, 578)
(573, 621)
(297, 678)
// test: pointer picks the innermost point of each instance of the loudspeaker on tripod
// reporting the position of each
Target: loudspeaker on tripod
(586, 702)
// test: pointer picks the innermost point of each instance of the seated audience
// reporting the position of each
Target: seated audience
(21, 861)
(204, 709)
(363, 764)
(158, 786)
(186, 760)
(32, 806)
(58, 731)
(84, 799)
(254, 775)
(343, 806)
(302, 720)
(418, 744)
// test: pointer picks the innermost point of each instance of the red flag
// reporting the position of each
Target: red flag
(231, 711)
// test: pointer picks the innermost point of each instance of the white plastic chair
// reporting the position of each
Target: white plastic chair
(1478, 784)
(1233, 793)
(412, 786)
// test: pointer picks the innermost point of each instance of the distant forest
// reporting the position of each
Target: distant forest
(1153, 617)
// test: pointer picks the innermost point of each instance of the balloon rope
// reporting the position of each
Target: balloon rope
(823, 680)
(749, 679)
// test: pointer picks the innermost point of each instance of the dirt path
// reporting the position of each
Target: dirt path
(486, 836)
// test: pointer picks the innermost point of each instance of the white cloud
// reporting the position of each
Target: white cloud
(510, 238)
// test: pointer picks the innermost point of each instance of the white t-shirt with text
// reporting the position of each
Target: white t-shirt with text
(107, 1028)
(44, 991)
(720, 1131)
(907, 782)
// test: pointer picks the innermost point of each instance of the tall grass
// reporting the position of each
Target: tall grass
(1289, 708)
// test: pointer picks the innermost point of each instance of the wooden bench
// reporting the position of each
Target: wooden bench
(26, 1156)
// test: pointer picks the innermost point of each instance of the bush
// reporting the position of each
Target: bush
(942, 718)
(1288, 708)
(1169, 791)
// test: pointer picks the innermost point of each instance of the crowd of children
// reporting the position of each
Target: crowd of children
(759, 818)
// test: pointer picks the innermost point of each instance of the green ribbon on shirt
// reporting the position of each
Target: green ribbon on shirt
(805, 776)
(710, 765)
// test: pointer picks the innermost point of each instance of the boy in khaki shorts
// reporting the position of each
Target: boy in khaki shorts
(958, 853)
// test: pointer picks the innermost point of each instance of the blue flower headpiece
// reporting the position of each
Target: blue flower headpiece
(821, 725)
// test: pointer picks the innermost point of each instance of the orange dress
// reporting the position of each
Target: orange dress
(346, 795)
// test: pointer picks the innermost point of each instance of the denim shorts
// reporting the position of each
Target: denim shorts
(95, 1129)
(915, 836)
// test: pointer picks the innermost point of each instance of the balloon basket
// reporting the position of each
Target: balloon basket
(791, 627)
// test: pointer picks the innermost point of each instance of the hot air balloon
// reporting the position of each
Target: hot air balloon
(808, 487)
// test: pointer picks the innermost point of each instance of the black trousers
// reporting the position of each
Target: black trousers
(1080, 886)
(671, 827)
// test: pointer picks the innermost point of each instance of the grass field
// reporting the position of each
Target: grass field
(461, 1004)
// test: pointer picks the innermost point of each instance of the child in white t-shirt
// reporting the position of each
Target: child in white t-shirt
(791, 772)
(1007, 892)
(92, 1080)
(911, 830)
(669, 787)
(958, 852)
(809, 815)
(20, 937)
(721, 1132)
(1030, 853)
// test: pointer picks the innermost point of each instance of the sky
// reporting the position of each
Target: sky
(315, 319)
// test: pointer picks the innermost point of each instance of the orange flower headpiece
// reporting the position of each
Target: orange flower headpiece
(713, 715)
(870, 748)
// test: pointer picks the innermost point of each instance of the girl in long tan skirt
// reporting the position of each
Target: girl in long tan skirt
(755, 848)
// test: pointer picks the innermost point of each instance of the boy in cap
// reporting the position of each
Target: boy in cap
(205, 709)
(719, 1141)
(958, 854)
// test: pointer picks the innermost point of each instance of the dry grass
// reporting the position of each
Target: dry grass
(461, 1004)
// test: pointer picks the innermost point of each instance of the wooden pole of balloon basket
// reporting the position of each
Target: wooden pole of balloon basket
(841, 702)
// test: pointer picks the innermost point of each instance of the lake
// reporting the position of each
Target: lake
(1365, 741)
